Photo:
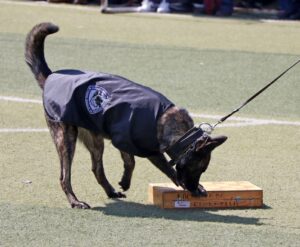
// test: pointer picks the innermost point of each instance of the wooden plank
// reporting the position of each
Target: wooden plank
(231, 194)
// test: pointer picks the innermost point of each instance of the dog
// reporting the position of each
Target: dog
(139, 121)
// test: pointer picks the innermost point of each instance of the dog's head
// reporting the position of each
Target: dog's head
(195, 161)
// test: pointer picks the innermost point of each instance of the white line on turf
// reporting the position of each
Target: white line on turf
(241, 121)
(23, 130)
(20, 100)
(247, 121)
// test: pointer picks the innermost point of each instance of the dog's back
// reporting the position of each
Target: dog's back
(34, 51)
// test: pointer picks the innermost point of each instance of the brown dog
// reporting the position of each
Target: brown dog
(94, 106)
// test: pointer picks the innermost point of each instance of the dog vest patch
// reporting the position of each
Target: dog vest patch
(96, 98)
(111, 105)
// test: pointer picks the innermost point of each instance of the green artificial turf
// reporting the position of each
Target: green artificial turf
(38, 212)
(208, 65)
(189, 59)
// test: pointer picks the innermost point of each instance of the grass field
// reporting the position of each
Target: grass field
(209, 66)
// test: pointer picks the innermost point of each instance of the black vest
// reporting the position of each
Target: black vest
(124, 111)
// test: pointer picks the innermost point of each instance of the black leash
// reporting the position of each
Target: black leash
(254, 96)
(178, 149)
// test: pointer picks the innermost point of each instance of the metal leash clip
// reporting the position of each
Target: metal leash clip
(206, 128)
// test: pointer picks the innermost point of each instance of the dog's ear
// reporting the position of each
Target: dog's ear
(209, 144)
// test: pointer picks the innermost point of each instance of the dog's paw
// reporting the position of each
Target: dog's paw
(125, 185)
(116, 195)
(80, 205)
(199, 192)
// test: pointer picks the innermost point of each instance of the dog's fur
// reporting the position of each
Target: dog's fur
(170, 127)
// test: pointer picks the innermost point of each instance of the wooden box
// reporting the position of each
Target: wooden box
(234, 194)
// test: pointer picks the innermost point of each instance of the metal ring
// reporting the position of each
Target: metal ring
(206, 127)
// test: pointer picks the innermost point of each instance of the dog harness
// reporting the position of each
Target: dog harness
(110, 105)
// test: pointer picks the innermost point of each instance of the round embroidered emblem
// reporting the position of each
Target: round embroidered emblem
(96, 98)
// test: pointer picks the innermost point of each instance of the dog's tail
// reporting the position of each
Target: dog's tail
(34, 51)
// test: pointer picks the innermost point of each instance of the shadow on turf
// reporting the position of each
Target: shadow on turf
(131, 209)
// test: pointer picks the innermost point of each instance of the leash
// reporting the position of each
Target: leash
(178, 149)
(209, 128)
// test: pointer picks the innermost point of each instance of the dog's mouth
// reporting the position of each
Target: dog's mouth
(199, 192)
(196, 191)
(191, 184)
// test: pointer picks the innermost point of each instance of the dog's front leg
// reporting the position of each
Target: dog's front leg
(64, 137)
(129, 164)
(162, 164)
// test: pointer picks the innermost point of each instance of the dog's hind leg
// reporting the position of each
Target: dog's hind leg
(129, 164)
(64, 137)
(95, 144)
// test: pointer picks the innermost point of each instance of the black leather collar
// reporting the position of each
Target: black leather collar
(179, 148)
